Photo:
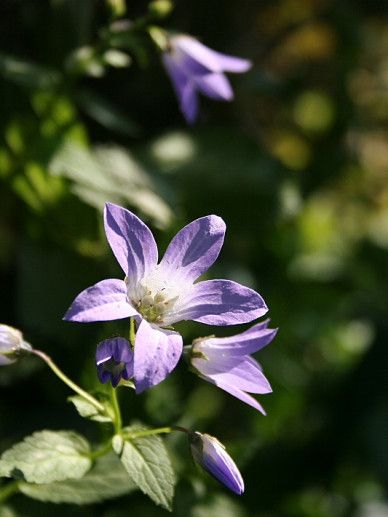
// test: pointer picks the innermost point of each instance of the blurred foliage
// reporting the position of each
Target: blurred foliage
(297, 166)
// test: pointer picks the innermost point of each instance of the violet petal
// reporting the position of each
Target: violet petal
(131, 241)
(221, 302)
(248, 342)
(208, 58)
(215, 86)
(245, 375)
(208, 452)
(236, 392)
(157, 352)
(184, 88)
(194, 248)
(104, 301)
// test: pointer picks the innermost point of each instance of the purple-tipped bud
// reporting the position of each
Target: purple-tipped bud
(12, 344)
(211, 455)
(114, 360)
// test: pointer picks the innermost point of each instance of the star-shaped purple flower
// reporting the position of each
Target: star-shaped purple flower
(114, 360)
(211, 455)
(194, 68)
(226, 362)
(160, 295)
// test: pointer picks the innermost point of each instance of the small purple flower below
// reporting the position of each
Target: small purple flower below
(226, 362)
(11, 344)
(211, 455)
(158, 295)
(194, 68)
(114, 360)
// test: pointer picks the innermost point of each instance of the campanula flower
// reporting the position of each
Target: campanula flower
(211, 455)
(11, 344)
(160, 295)
(226, 362)
(194, 68)
(114, 360)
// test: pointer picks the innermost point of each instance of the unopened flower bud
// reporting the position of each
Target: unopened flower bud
(11, 344)
(211, 455)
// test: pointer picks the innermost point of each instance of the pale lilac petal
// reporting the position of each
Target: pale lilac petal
(221, 302)
(236, 392)
(245, 375)
(157, 352)
(248, 342)
(231, 63)
(104, 301)
(184, 88)
(215, 86)
(194, 248)
(208, 58)
(131, 241)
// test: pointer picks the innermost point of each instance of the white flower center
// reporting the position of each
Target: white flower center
(155, 298)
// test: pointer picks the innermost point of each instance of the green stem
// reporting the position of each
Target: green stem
(8, 490)
(151, 432)
(101, 452)
(132, 332)
(84, 394)
(116, 408)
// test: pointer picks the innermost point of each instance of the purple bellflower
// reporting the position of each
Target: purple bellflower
(226, 362)
(114, 360)
(194, 68)
(160, 295)
(11, 344)
(211, 455)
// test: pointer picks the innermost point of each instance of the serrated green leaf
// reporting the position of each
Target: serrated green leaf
(106, 480)
(87, 410)
(47, 456)
(148, 465)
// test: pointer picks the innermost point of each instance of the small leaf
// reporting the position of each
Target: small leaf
(107, 114)
(148, 465)
(106, 480)
(47, 456)
(87, 410)
(26, 73)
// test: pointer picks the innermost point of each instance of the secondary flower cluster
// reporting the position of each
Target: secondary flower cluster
(156, 295)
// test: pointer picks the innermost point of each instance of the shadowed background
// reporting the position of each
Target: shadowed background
(297, 167)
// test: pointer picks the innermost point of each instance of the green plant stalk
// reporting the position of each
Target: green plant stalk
(64, 378)
(132, 332)
(101, 452)
(116, 408)
(8, 490)
(151, 432)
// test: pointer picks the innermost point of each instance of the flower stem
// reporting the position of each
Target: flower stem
(68, 381)
(116, 408)
(132, 333)
(8, 490)
(101, 452)
(151, 432)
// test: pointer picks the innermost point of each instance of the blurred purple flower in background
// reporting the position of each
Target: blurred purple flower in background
(114, 360)
(194, 68)
(226, 362)
(211, 455)
(159, 295)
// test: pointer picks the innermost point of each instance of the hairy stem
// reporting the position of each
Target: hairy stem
(116, 408)
(8, 490)
(132, 332)
(68, 381)
(151, 432)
